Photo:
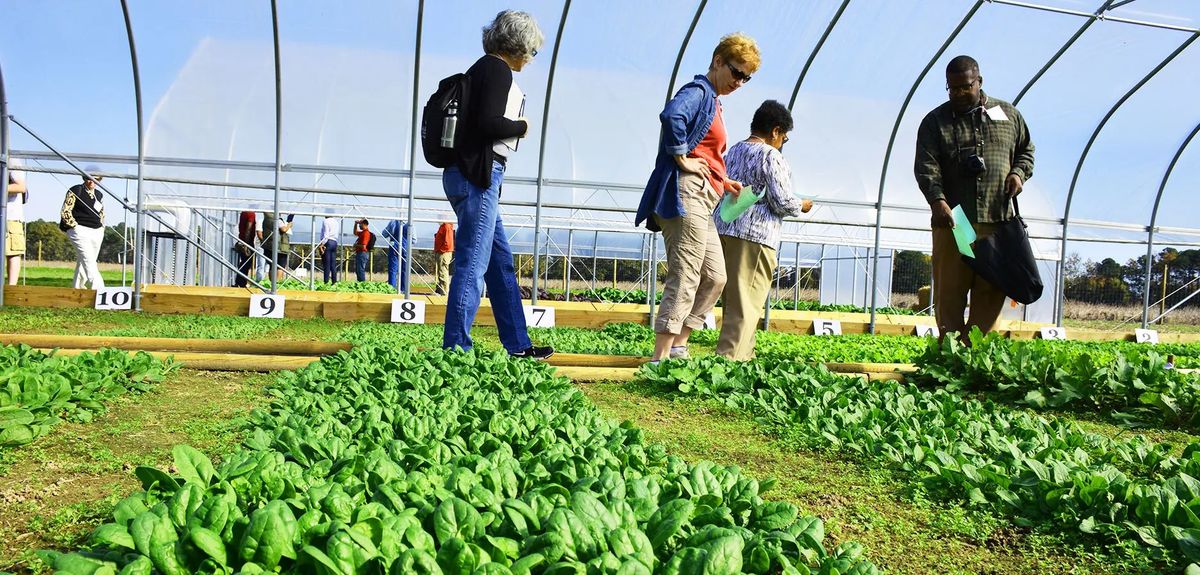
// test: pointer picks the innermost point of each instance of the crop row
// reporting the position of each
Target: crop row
(37, 390)
(1123, 381)
(386, 460)
(1038, 471)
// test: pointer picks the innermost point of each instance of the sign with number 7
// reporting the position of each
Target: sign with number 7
(539, 316)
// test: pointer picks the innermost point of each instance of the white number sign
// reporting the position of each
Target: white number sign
(114, 298)
(927, 331)
(827, 327)
(710, 321)
(539, 316)
(1146, 335)
(1054, 333)
(266, 305)
(408, 311)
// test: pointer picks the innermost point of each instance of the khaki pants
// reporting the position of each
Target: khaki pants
(14, 240)
(750, 267)
(695, 264)
(953, 279)
(441, 271)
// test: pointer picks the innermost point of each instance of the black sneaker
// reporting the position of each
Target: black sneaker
(535, 352)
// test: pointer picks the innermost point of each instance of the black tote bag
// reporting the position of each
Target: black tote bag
(1005, 259)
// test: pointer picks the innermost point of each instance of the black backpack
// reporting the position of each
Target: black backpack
(371, 240)
(453, 89)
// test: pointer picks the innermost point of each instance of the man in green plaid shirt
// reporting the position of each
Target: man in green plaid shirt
(973, 151)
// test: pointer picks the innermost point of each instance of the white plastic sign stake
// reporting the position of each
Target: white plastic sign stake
(114, 298)
(408, 311)
(827, 327)
(927, 331)
(1146, 335)
(1054, 333)
(710, 321)
(266, 305)
(539, 316)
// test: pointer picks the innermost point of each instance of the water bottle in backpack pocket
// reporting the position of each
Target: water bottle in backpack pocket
(439, 120)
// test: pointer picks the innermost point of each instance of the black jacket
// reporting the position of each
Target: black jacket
(491, 79)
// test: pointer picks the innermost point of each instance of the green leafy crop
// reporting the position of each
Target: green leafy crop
(387, 460)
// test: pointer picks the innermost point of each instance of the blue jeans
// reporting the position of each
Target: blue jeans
(360, 265)
(329, 261)
(394, 269)
(481, 256)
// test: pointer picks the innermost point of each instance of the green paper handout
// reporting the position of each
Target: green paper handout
(964, 232)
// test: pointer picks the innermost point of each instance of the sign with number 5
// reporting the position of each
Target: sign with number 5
(408, 311)
(266, 305)
(827, 327)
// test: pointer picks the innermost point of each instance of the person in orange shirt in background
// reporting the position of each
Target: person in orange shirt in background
(443, 246)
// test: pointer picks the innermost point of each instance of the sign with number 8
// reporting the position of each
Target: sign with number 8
(408, 311)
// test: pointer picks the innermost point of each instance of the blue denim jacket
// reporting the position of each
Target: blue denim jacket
(685, 120)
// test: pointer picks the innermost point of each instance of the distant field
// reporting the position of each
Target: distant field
(62, 274)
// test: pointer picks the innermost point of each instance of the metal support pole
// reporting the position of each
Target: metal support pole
(312, 253)
(1062, 50)
(3, 180)
(1154, 220)
(796, 288)
(892, 142)
(567, 264)
(126, 206)
(537, 210)
(595, 243)
(140, 220)
(406, 238)
(652, 293)
(813, 55)
(1062, 255)
(272, 253)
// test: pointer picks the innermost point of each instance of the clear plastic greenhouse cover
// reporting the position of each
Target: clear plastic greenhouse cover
(1107, 110)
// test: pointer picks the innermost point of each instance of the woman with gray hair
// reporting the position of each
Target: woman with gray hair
(487, 136)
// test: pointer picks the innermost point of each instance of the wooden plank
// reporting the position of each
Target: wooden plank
(240, 346)
(862, 367)
(221, 361)
(583, 360)
(592, 374)
(54, 297)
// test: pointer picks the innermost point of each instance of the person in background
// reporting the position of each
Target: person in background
(687, 182)
(247, 234)
(82, 217)
(14, 233)
(443, 249)
(750, 242)
(973, 151)
(362, 251)
(271, 224)
(331, 230)
(488, 137)
(395, 234)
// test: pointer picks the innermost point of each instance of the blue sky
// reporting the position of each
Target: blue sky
(206, 75)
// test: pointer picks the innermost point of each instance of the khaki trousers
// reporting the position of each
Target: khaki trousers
(953, 279)
(695, 264)
(441, 271)
(750, 267)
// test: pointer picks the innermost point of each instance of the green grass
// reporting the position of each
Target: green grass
(65, 276)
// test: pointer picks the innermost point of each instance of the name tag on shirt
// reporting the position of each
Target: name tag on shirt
(996, 113)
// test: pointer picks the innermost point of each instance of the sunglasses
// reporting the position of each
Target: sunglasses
(738, 74)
